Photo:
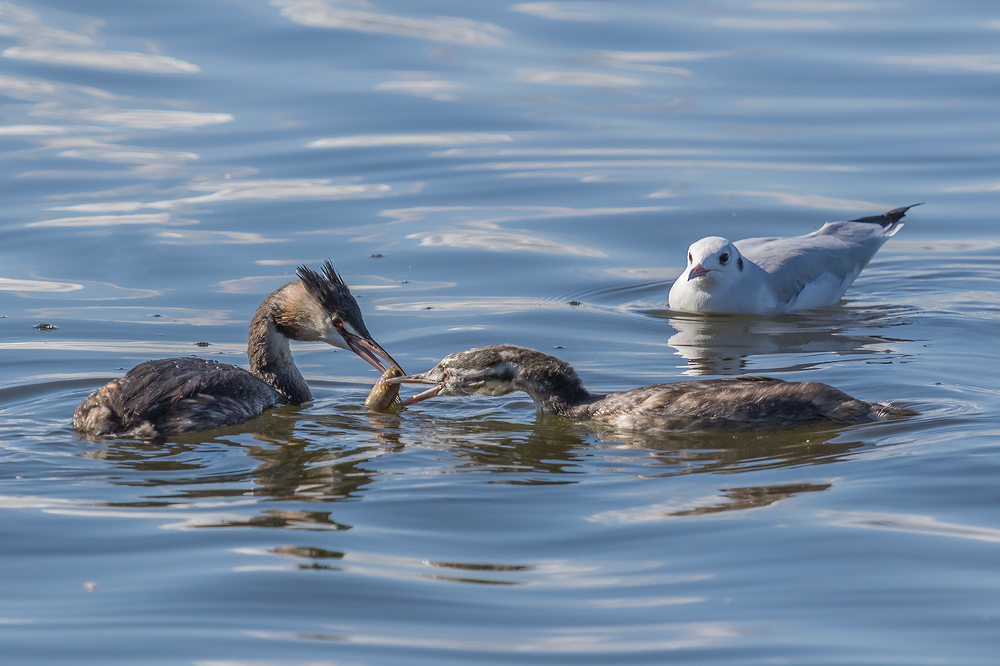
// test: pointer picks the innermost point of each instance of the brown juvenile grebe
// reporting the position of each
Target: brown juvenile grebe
(767, 275)
(713, 404)
(175, 395)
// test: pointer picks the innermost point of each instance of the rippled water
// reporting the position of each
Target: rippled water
(483, 173)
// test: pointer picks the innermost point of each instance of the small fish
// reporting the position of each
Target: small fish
(384, 396)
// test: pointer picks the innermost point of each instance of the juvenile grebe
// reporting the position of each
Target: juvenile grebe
(711, 404)
(763, 275)
(175, 395)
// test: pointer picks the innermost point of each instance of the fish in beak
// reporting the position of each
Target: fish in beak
(418, 379)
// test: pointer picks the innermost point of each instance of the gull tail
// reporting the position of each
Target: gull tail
(888, 221)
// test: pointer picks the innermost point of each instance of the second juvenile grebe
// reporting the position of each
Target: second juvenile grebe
(175, 395)
(768, 275)
(712, 404)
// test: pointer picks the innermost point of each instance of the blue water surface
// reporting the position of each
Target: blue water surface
(480, 173)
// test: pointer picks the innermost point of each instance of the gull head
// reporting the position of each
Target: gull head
(713, 280)
(713, 260)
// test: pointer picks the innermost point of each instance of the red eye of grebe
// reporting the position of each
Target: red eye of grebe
(338, 322)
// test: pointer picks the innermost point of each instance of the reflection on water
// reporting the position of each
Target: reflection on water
(684, 453)
(337, 16)
(722, 345)
(113, 60)
(728, 499)
(737, 499)
(901, 522)
(293, 458)
(577, 642)
(289, 463)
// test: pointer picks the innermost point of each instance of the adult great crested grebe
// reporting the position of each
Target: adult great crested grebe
(711, 404)
(772, 275)
(174, 395)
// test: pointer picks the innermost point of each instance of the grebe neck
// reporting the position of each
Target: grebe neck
(270, 355)
(552, 384)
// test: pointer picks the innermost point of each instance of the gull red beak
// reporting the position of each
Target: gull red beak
(697, 272)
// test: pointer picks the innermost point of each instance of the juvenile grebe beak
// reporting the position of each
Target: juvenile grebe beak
(370, 351)
(417, 379)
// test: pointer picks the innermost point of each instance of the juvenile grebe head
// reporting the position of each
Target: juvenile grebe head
(471, 372)
(495, 370)
(321, 308)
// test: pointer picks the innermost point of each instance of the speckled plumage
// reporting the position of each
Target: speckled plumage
(718, 404)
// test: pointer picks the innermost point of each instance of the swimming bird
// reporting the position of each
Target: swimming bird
(772, 275)
(748, 402)
(175, 395)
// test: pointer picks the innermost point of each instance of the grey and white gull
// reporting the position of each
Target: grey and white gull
(780, 274)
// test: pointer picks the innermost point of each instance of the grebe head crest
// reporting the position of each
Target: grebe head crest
(334, 296)
(324, 309)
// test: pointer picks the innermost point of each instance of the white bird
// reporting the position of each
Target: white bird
(771, 275)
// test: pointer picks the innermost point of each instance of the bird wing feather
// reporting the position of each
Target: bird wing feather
(831, 257)
(156, 390)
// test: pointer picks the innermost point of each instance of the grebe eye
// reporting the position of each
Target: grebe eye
(724, 258)
(338, 322)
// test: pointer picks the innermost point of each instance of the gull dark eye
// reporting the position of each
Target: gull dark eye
(690, 258)
(724, 257)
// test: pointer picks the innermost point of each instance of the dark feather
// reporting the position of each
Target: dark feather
(887, 220)
(334, 295)
(172, 395)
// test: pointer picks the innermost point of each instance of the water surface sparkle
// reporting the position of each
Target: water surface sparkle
(483, 173)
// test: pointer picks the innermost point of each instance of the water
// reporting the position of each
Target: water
(472, 169)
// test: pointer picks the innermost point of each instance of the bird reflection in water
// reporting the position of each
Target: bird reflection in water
(721, 344)
(329, 462)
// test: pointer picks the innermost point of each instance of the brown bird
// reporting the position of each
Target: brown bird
(712, 404)
(175, 395)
